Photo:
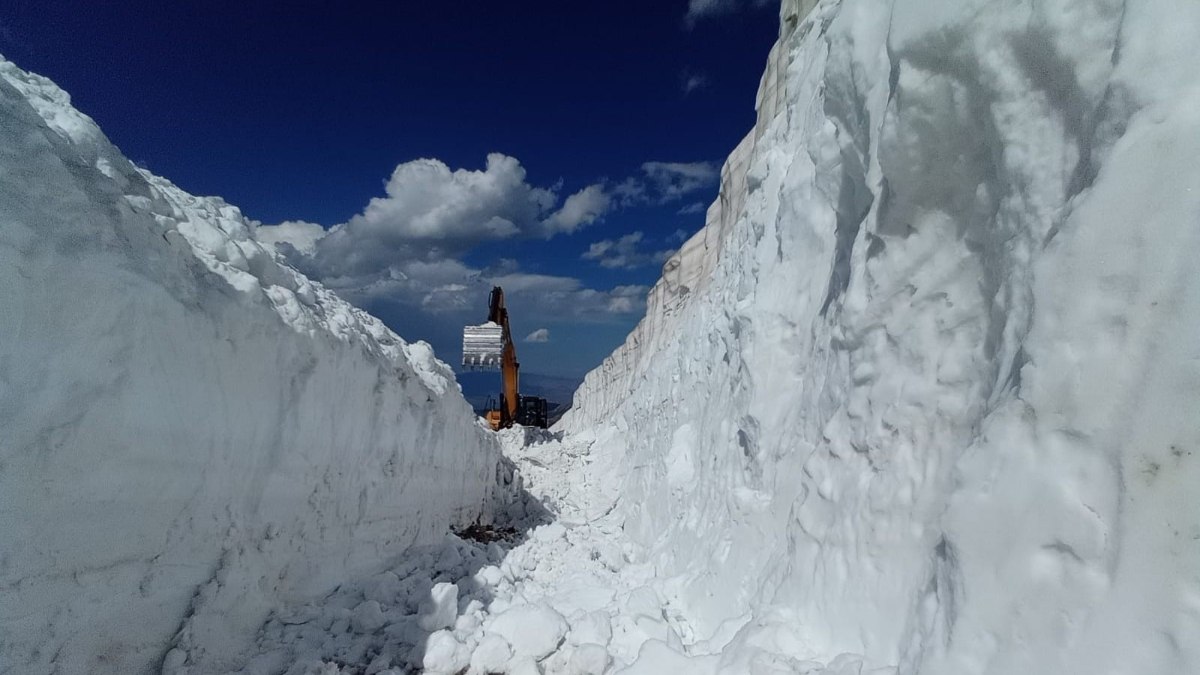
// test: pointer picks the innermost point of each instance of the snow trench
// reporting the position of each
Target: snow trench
(928, 394)
(920, 398)
(192, 432)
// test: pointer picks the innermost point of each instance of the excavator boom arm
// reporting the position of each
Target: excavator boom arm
(490, 346)
(509, 367)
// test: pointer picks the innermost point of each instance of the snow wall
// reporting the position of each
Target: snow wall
(925, 388)
(192, 432)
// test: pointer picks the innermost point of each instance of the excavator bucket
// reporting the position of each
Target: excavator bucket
(482, 346)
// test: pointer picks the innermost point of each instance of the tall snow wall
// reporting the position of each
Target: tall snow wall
(924, 389)
(192, 432)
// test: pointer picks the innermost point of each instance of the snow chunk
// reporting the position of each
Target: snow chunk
(488, 576)
(491, 655)
(588, 660)
(368, 617)
(444, 654)
(533, 630)
(440, 610)
(591, 628)
(450, 560)
(550, 532)
(383, 589)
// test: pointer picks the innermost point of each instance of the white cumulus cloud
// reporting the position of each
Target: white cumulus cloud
(624, 252)
(405, 250)
(539, 335)
(673, 180)
(428, 206)
(664, 182)
(433, 214)
(298, 234)
(627, 299)
(580, 209)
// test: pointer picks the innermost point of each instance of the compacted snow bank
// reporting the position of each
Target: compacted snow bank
(931, 398)
(192, 431)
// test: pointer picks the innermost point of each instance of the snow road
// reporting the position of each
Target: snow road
(565, 593)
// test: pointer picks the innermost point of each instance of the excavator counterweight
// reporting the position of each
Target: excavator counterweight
(489, 346)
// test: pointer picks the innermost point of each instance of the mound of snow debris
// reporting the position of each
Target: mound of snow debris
(563, 594)
(922, 396)
(192, 432)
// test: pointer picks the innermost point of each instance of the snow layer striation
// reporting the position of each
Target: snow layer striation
(924, 390)
(193, 432)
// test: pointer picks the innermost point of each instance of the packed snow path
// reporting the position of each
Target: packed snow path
(564, 592)
(559, 594)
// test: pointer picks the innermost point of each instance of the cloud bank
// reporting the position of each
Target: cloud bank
(405, 251)
(432, 214)
(406, 246)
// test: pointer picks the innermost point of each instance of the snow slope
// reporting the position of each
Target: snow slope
(193, 432)
(930, 396)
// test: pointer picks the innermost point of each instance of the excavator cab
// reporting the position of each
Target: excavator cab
(532, 412)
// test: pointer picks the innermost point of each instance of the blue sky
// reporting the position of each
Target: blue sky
(558, 148)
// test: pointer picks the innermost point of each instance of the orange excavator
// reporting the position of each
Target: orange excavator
(489, 346)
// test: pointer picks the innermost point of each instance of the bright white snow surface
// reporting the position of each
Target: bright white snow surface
(938, 403)
(928, 403)
(564, 593)
(190, 432)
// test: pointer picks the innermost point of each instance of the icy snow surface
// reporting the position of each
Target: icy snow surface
(926, 388)
(190, 431)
